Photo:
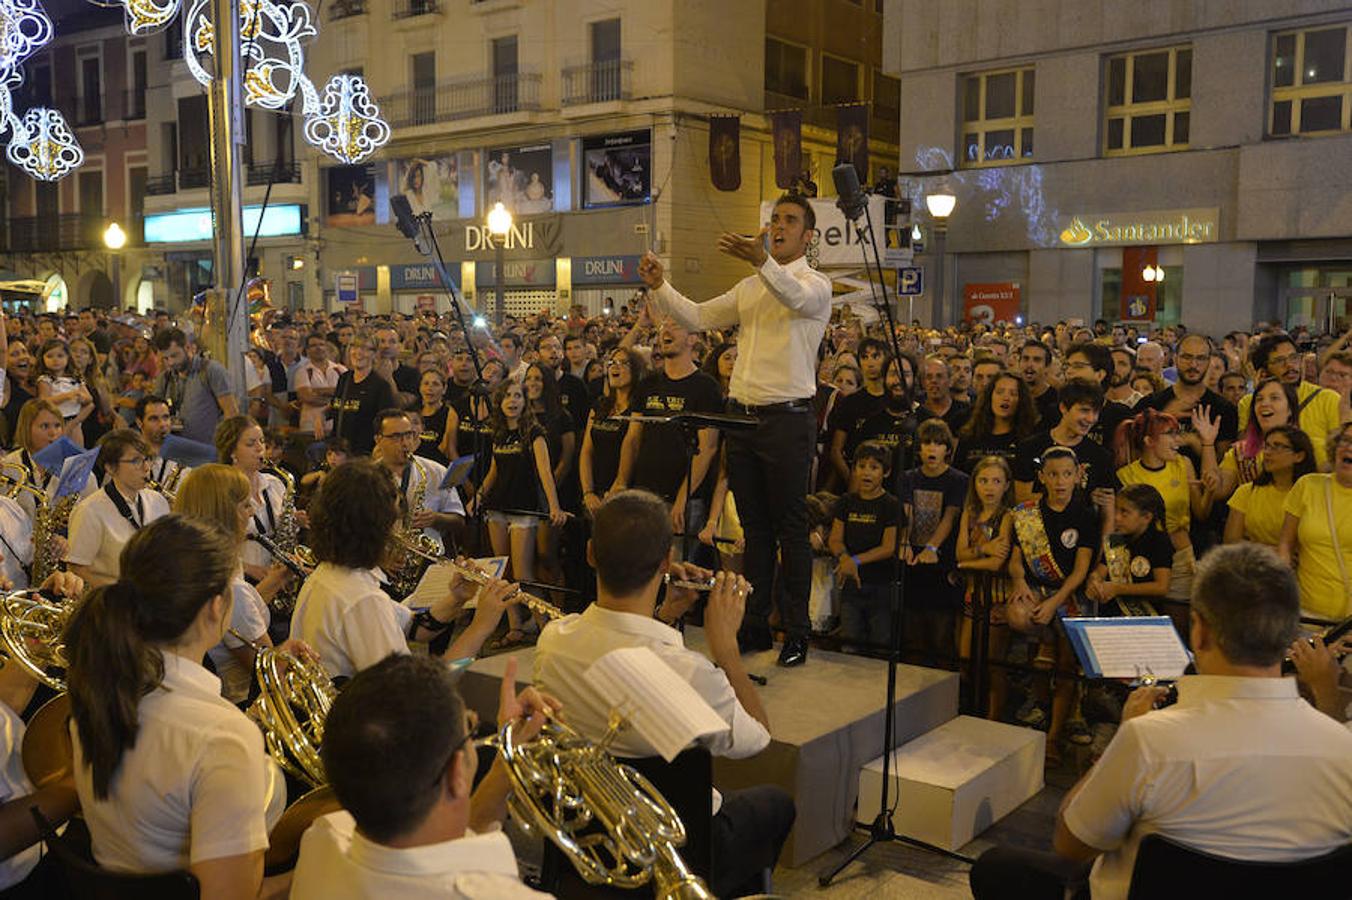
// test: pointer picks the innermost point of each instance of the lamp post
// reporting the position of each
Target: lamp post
(940, 205)
(499, 225)
(114, 238)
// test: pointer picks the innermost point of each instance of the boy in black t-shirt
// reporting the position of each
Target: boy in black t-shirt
(932, 496)
(1080, 405)
(850, 412)
(863, 540)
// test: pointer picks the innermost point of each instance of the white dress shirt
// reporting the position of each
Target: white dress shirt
(568, 646)
(350, 622)
(1240, 767)
(338, 863)
(783, 312)
(271, 494)
(309, 375)
(14, 784)
(16, 542)
(250, 617)
(195, 786)
(99, 531)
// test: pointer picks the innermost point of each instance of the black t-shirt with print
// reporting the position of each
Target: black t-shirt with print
(575, 399)
(895, 430)
(355, 405)
(1070, 529)
(607, 436)
(517, 482)
(928, 497)
(1148, 551)
(1101, 465)
(1048, 408)
(850, 412)
(661, 463)
(864, 523)
(1104, 432)
(973, 450)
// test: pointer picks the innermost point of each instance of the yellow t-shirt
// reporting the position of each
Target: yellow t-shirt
(1320, 417)
(1322, 590)
(1172, 483)
(1262, 509)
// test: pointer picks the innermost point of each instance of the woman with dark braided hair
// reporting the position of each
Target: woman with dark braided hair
(169, 773)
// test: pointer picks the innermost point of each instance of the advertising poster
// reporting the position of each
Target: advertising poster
(619, 168)
(521, 179)
(998, 301)
(351, 196)
(430, 185)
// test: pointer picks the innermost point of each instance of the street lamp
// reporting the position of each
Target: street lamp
(940, 205)
(499, 225)
(114, 238)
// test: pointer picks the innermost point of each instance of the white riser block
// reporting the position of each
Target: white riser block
(953, 783)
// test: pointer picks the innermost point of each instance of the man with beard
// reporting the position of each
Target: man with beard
(1119, 382)
(1189, 393)
(462, 374)
(935, 380)
(850, 411)
(572, 392)
(1320, 409)
(1034, 359)
(154, 424)
(198, 389)
(1087, 361)
(892, 425)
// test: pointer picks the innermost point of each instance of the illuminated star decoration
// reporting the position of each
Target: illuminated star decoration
(344, 122)
(40, 142)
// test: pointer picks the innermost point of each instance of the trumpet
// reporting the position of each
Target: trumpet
(294, 697)
(475, 575)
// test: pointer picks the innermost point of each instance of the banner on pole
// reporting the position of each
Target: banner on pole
(725, 152)
(788, 139)
(852, 138)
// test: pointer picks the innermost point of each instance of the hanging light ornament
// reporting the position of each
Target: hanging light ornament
(343, 122)
(40, 142)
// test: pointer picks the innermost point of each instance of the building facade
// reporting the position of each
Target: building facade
(1168, 161)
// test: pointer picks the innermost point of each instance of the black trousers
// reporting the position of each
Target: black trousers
(768, 469)
(1009, 872)
(746, 837)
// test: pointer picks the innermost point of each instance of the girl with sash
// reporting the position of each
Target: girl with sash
(1049, 562)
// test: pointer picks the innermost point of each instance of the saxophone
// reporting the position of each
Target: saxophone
(50, 519)
(406, 566)
(285, 541)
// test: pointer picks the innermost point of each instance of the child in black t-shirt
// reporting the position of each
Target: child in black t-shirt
(932, 496)
(1138, 557)
(863, 540)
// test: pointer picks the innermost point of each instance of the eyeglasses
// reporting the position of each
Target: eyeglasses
(400, 436)
(1287, 359)
(471, 729)
(134, 461)
(1271, 447)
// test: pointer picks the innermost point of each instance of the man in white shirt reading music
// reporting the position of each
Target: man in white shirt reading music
(782, 310)
(630, 547)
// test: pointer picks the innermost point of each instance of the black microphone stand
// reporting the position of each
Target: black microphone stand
(882, 829)
(425, 240)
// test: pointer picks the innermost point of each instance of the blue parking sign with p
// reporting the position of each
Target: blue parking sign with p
(910, 281)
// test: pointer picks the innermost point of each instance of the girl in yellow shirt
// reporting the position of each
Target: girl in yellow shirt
(1256, 512)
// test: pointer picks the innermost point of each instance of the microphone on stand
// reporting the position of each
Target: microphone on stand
(408, 224)
(851, 199)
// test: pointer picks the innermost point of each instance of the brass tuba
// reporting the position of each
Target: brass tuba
(612, 824)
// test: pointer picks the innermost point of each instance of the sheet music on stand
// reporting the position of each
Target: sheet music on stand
(1127, 647)
(661, 708)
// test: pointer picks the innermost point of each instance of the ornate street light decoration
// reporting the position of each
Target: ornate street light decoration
(40, 142)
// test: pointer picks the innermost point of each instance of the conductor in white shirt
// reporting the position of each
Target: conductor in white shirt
(398, 725)
(782, 311)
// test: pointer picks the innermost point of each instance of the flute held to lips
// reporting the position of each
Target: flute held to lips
(693, 585)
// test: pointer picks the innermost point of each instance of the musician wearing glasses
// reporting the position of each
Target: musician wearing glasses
(397, 724)
(630, 548)
(103, 522)
(431, 511)
(343, 612)
(170, 774)
(1241, 767)
(239, 443)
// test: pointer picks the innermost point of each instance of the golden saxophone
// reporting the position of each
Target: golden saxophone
(476, 575)
(285, 545)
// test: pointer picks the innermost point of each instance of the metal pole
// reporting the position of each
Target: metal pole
(226, 107)
(940, 288)
(117, 281)
(501, 301)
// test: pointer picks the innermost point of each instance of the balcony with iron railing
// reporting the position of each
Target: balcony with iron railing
(159, 185)
(276, 173)
(451, 101)
(598, 82)
(407, 9)
(194, 178)
(85, 110)
(42, 234)
(346, 9)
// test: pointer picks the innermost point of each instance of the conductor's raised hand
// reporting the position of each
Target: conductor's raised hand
(651, 271)
(751, 249)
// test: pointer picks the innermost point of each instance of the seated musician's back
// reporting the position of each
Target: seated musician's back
(631, 542)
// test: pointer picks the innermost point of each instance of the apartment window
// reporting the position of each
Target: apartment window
(135, 107)
(194, 145)
(504, 53)
(1149, 102)
(91, 88)
(89, 186)
(1311, 82)
(785, 69)
(997, 117)
(173, 38)
(840, 80)
(605, 60)
(423, 75)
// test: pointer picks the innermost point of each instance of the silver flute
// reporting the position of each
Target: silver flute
(703, 585)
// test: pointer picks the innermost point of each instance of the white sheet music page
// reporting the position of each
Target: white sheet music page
(1128, 651)
(436, 583)
(663, 709)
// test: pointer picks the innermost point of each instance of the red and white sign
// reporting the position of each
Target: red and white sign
(998, 301)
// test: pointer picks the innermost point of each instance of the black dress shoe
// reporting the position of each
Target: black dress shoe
(751, 640)
(794, 652)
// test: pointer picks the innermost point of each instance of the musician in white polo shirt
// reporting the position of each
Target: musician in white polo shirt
(782, 311)
(103, 522)
(401, 723)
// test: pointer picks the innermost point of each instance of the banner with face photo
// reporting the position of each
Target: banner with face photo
(619, 168)
(351, 196)
(521, 179)
(430, 185)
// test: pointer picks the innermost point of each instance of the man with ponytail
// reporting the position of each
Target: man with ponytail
(170, 774)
